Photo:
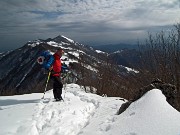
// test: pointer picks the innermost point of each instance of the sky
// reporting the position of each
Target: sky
(91, 22)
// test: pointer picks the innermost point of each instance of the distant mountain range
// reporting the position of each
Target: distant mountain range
(115, 47)
(122, 54)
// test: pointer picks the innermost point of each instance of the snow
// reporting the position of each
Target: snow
(84, 113)
(131, 70)
(150, 115)
(65, 59)
(70, 40)
(90, 68)
(119, 51)
(76, 54)
(98, 51)
(26, 74)
(52, 43)
(36, 42)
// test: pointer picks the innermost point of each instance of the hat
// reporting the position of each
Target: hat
(60, 50)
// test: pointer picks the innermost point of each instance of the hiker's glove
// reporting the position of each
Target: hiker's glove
(50, 68)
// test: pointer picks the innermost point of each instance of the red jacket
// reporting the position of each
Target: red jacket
(56, 65)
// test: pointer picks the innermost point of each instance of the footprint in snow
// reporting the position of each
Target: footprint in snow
(133, 113)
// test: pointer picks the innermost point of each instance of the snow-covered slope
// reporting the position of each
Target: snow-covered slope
(86, 114)
(150, 115)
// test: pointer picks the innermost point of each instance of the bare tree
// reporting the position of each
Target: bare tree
(161, 57)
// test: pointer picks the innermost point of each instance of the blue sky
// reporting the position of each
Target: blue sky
(90, 22)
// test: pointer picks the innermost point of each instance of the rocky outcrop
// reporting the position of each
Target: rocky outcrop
(168, 90)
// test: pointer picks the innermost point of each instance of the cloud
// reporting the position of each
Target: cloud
(92, 20)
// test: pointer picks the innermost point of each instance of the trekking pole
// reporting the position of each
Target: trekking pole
(65, 82)
(46, 83)
(65, 90)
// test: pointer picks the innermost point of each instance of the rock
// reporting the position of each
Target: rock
(168, 90)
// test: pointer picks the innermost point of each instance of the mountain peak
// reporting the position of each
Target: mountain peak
(62, 38)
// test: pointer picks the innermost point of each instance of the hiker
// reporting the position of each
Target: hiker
(54, 65)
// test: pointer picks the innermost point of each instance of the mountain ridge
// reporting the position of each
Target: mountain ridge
(110, 48)
(19, 66)
(21, 74)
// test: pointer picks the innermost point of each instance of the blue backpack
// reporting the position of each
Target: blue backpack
(45, 59)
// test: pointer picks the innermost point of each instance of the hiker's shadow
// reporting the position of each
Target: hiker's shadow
(7, 102)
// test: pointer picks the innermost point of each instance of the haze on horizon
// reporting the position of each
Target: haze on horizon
(91, 22)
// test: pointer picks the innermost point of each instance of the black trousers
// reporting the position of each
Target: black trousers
(57, 87)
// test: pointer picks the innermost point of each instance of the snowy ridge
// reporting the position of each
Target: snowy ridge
(86, 114)
(55, 44)
(70, 40)
(150, 115)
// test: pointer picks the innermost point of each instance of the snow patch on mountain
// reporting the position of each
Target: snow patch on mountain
(70, 40)
(76, 54)
(55, 44)
(52, 43)
(119, 51)
(131, 70)
(26, 74)
(90, 68)
(34, 44)
(99, 51)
